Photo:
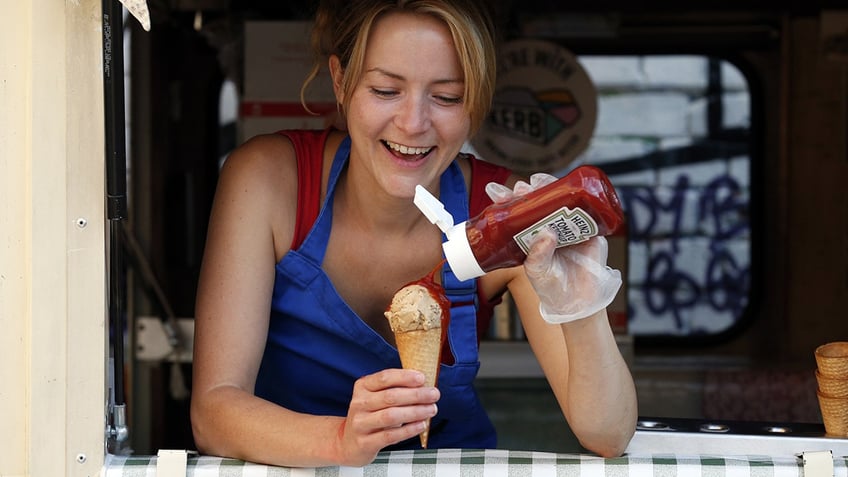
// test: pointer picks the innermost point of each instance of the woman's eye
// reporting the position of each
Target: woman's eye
(383, 93)
(449, 99)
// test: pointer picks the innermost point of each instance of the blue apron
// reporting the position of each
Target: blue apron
(317, 346)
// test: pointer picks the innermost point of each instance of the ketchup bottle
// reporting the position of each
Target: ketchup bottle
(579, 206)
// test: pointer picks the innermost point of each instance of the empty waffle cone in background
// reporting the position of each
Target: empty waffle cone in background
(832, 387)
(419, 350)
(834, 415)
(832, 359)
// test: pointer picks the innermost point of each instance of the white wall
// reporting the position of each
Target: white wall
(52, 270)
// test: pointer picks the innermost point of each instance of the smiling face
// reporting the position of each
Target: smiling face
(406, 116)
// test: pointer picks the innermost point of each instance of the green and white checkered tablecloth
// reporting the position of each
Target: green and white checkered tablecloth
(490, 463)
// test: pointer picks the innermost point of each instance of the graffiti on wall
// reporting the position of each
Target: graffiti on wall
(698, 253)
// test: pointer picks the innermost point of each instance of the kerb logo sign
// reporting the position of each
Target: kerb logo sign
(544, 109)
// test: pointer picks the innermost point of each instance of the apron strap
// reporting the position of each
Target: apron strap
(462, 331)
(315, 245)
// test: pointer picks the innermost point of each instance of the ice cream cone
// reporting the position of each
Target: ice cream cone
(832, 387)
(420, 350)
(834, 415)
(419, 315)
(832, 359)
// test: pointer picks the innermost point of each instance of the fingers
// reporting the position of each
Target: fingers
(389, 406)
(538, 261)
(603, 250)
(377, 393)
(499, 193)
(393, 388)
(390, 425)
(522, 188)
(540, 179)
(595, 248)
(390, 378)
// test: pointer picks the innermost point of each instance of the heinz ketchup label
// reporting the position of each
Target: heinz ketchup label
(571, 226)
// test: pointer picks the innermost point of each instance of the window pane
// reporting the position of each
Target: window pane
(673, 135)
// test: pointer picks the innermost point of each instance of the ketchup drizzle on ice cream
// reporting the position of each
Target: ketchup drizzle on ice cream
(437, 291)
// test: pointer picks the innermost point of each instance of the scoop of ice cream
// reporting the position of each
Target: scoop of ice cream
(414, 308)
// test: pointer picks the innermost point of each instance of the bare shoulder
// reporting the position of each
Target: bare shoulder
(258, 185)
(264, 160)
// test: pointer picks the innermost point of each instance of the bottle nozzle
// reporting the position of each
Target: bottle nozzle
(433, 209)
(457, 250)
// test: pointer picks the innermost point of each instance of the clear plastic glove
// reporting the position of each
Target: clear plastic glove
(572, 282)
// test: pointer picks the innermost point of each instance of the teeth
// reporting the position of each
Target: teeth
(407, 149)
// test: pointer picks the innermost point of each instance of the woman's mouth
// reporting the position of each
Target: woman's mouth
(407, 153)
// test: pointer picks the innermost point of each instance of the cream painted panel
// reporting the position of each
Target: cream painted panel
(84, 226)
(15, 154)
(52, 270)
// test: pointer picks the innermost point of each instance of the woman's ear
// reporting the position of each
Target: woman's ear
(337, 73)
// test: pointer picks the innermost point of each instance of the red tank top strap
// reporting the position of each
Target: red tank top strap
(482, 173)
(309, 151)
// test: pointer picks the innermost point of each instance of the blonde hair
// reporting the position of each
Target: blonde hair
(342, 29)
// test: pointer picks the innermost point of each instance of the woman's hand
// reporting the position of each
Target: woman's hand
(386, 407)
(572, 282)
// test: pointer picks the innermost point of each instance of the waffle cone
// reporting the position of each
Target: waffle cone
(832, 387)
(420, 350)
(832, 359)
(834, 415)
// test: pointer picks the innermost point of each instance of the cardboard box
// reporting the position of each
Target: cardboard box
(253, 123)
(277, 59)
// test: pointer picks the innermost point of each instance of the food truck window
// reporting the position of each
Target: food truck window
(673, 132)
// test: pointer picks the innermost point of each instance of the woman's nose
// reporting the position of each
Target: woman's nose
(414, 115)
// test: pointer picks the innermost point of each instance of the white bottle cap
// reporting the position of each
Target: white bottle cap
(460, 257)
(457, 249)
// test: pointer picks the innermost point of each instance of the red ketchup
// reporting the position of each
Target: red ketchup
(579, 206)
(437, 291)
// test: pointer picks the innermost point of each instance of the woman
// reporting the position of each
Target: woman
(294, 361)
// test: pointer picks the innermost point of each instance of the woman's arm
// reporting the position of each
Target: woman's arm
(233, 308)
(586, 371)
(253, 215)
(580, 358)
